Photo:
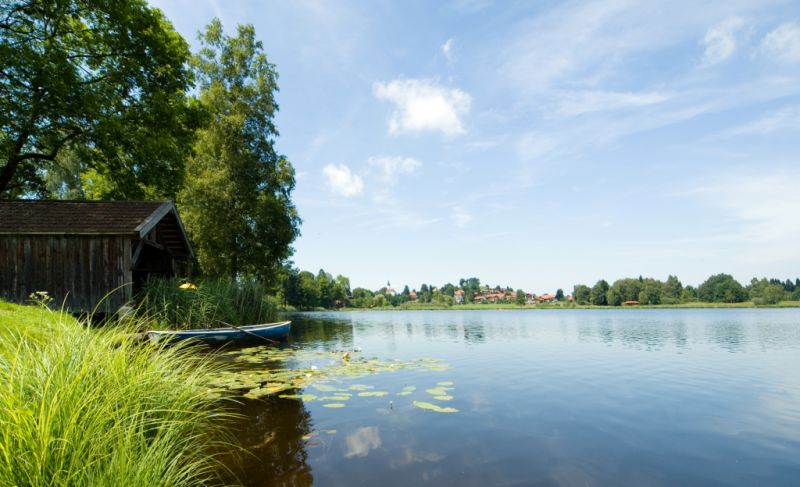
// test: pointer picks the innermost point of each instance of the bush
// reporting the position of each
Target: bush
(89, 407)
(210, 304)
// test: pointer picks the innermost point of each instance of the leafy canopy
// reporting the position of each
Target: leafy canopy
(107, 79)
(236, 201)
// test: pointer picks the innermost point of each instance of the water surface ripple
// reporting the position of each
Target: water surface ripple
(547, 398)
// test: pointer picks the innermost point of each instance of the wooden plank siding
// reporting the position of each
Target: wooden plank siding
(76, 270)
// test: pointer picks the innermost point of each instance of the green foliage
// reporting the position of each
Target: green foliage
(613, 298)
(236, 202)
(212, 303)
(581, 294)
(773, 294)
(651, 292)
(379, 301)
(721, 288)
(560, 294)
(106, 79)
(689, 294)
(598, 293)
(672, 289)
(83, 407)
(629, 289)
(520, 297)
(470, 287)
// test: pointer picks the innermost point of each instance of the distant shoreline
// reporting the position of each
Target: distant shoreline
(542, 307)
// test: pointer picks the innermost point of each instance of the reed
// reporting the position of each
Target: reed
(212, 302)
(80, 406)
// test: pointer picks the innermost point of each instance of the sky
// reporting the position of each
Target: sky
(535, 145)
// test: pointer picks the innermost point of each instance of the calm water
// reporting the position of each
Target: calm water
(547, 398)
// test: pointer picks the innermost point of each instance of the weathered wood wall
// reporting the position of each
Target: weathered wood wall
(77, 270)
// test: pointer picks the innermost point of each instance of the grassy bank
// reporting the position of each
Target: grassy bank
(91, 407)
(509, 306)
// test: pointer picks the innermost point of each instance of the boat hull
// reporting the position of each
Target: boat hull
(219, 336)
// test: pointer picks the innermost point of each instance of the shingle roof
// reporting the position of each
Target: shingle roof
(75, 217)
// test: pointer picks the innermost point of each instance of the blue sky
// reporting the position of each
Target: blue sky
(535, 144)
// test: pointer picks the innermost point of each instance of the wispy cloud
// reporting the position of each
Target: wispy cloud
(783, 43)
(782, 120)
(447, 49)
(423, 105)
(393, 167)
(720, 41)
(766, 206)
(342, 181)
(581, 102)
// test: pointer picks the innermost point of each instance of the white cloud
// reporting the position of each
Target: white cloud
(460, 217)
(581, 102)
(423, 105)
(720, 41)
(783, 43)
(447, 49)
(392, 167)
(342, 181)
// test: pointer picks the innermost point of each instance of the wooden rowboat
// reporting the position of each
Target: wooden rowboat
(269, 332)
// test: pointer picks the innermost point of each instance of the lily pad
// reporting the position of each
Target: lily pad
(334, 405)
(437, 391)
(443, 398)
(445, 383)
(434, 407)
(373, 394)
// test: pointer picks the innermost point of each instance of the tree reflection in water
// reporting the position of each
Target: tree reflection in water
(271, 433)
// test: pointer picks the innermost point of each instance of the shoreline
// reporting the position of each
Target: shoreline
(506, 307)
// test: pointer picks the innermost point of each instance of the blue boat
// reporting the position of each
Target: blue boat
(266, 333)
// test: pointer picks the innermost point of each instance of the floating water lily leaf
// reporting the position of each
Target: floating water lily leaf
(409, 388)
(360, 387)
(443, 398)
(333, 405)
(445, 383)
(330, 432)
(302, 397)
(437, 391)
(373, 394)
(434, 407)
(335, 398)
(324, 388)
(404, 393)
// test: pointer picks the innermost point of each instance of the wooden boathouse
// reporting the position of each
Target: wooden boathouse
(87, 252)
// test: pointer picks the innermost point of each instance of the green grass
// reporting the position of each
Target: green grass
(83, 407)
(212, 303)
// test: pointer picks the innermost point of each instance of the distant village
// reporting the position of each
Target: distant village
(485, 294)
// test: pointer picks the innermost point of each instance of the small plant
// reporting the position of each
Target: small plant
(41, 298)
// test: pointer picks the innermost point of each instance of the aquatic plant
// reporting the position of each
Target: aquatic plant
(80, 406)
(171, 303)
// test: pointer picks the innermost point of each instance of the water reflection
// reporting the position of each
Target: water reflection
(627, 397)
(361, 441)
(273, 434)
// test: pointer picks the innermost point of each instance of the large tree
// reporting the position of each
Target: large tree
(721, 288)
(104, 78)
(237, 198)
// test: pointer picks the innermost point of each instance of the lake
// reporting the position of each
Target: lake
(544, 398)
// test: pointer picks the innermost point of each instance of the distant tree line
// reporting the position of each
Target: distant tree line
(719, 288)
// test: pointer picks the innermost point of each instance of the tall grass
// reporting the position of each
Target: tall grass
(212, 303)
(91, 407)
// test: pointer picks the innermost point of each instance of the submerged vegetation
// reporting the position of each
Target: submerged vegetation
(80, 406)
